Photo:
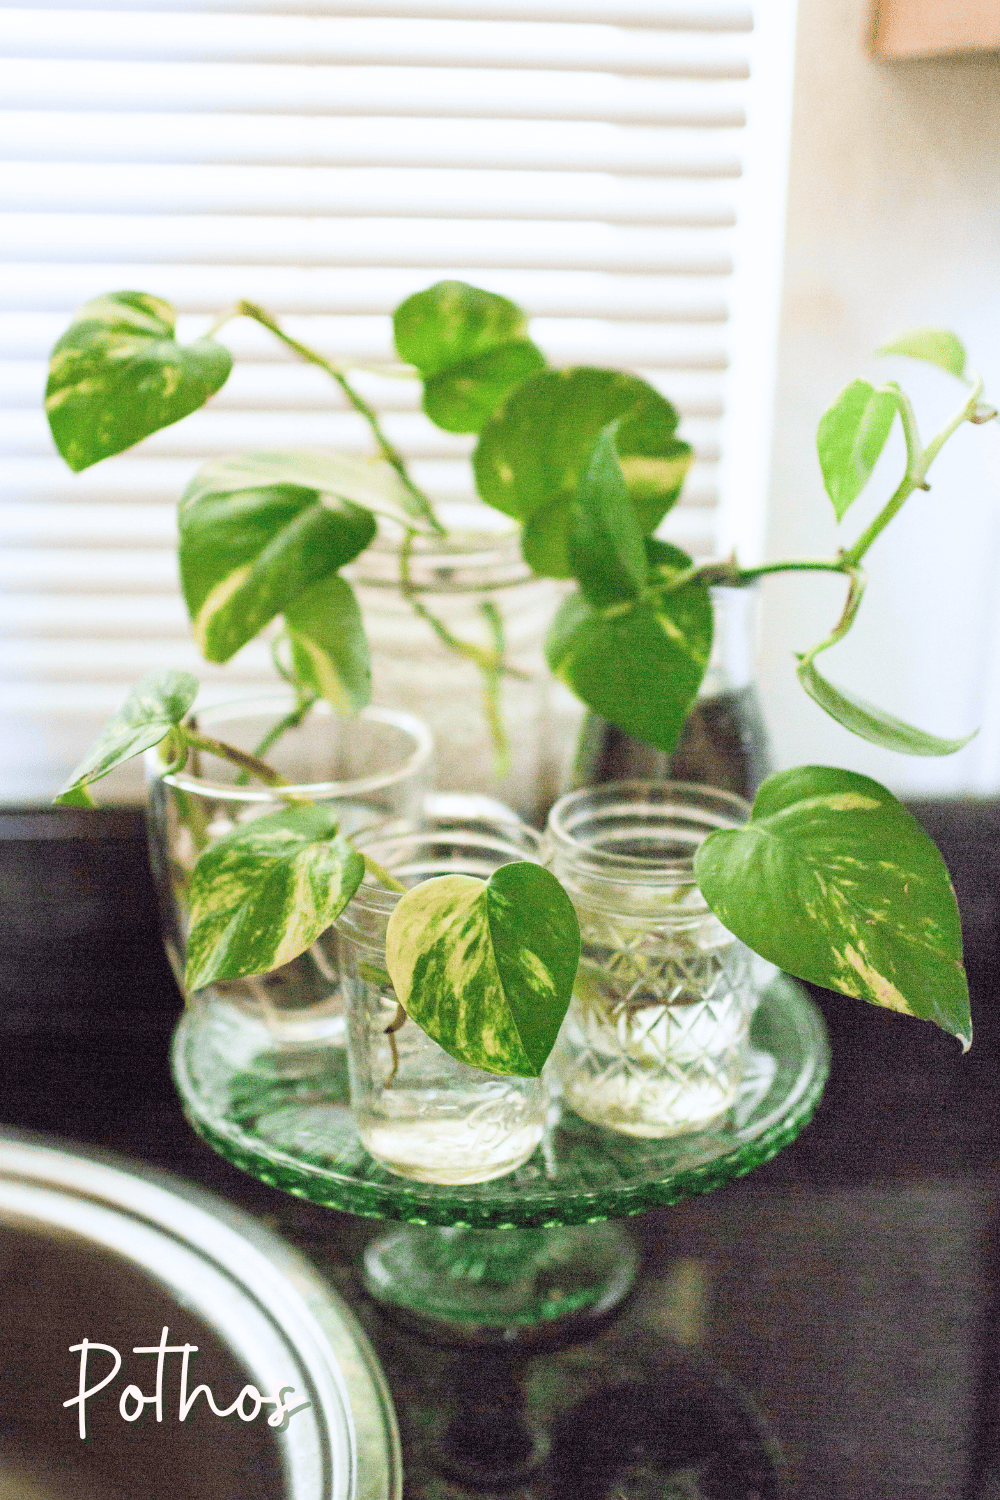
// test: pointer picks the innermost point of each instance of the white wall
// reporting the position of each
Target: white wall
(893, 222)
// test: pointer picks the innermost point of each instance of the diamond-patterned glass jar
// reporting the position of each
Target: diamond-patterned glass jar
(419, 1111)
(656, 1038)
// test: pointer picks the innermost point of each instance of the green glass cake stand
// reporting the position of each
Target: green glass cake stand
(525, 1257)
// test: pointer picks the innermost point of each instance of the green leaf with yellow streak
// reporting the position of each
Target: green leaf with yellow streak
(158, 701)
(639, 663)
(471, 348)
(247, 555)
(486, 969)
(534, 450)
(329, 645)
(371, 482)
(262, 894)
(835, 882)
(118, 374)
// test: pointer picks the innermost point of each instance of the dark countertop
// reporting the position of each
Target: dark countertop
(848, 1285)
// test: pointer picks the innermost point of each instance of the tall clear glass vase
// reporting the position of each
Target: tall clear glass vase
(476, 586)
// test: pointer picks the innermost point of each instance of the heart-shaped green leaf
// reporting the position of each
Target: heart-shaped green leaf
(329, 645)
(471, 348)
(487, 969)
(155, 705)
(871, 723)
(533, 452)
(850, 438)
(834, 881)
(262, 894)
(247, 554)
(638, 664)
(461, 399)
(938, 346)
(118, 374)
(370, 483)
(606, 548)
(451, 322)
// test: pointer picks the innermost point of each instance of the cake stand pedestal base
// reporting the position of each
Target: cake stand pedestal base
(531, 1287)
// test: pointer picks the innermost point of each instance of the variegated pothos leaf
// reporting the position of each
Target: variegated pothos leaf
(639, 663)
(158, 701)
(487, 968)
(118, 374)
(262, 894)
(329, 645)
(835, 882)
(850, 439)
(535, 448)
(247, 555)
(371, 483)
(606, 549)
(471, 348)
(871, 723)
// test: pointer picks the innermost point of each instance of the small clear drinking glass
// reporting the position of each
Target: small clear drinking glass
(373, 769)
(419, 1111)
(656, 1039)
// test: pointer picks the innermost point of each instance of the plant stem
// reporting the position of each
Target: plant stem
(915, 477)
(486, 661)
(292, 720)
(382, 874)
(249, 763)
(729, 574)
(272, 778)
(221, 321)
(387, 449)
(492, 679)
(852, 604)
(490, 664)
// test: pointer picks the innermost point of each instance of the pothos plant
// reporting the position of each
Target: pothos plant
(831, 879)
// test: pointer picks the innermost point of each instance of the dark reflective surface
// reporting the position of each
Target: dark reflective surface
(848, 1286)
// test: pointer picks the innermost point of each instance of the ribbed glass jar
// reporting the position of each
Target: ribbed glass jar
(656, 1038)
(419, 1111)
(372, 769)
(460, 580)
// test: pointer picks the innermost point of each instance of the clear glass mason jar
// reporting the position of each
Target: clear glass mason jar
(373, 769)
(419, 1111)
(478, 564)
(656, 1038)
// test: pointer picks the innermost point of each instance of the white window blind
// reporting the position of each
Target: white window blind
(327, 159)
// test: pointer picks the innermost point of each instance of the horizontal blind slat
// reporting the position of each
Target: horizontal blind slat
(290, 140)
(442, 93)
(118, 661)
(693, 345)
(660, 15)
(361, 193)
(402, 242)
(363, 42)
(27, 290)
(92, 616)
(69, 571)
(295, 390)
